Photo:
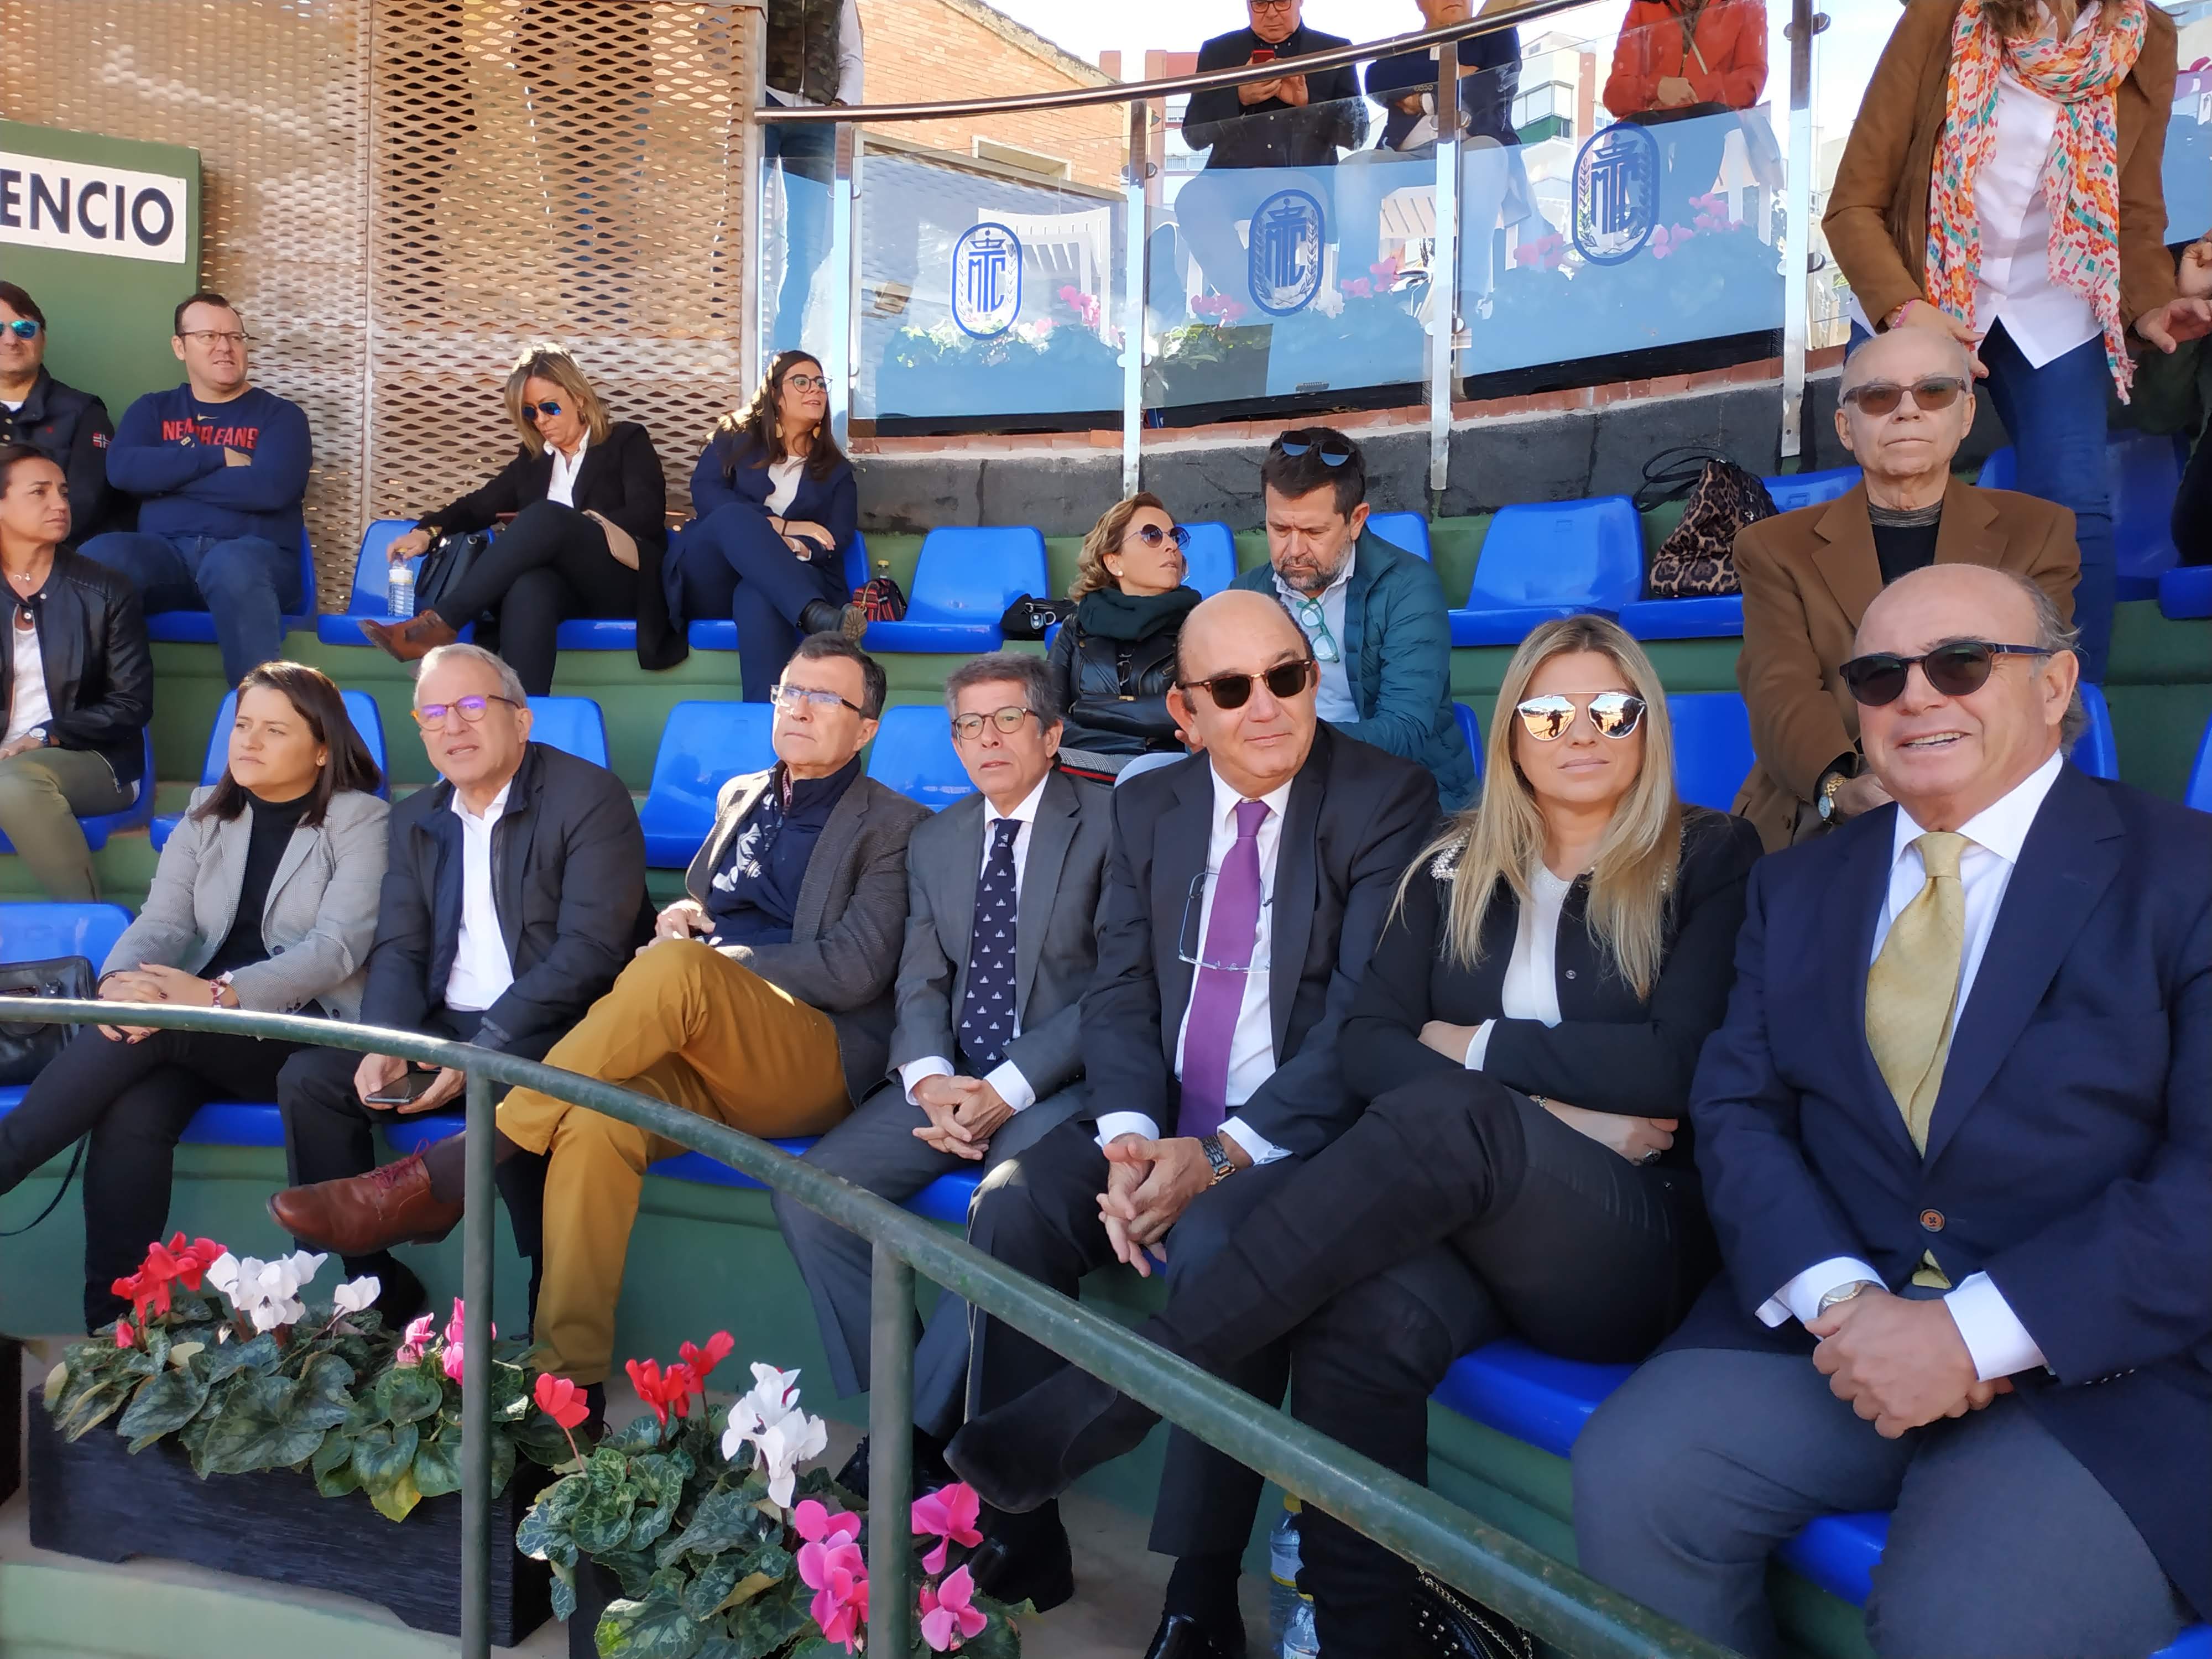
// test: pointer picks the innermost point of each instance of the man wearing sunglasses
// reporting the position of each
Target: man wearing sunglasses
(1907, 404)
(70, 428)
(1242, 898)
(513, 894)
(218, 468)
(1372, 613)
(763, 1001)
(1956, 1140)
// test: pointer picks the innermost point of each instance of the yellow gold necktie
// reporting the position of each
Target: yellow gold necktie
(1912, 995)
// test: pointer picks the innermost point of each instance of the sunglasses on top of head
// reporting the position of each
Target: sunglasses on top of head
(1335, 450)
(547, 410)
(1938, 391)
(1615, 714)
(1285, 680)
(23, 328)
(1957, 670)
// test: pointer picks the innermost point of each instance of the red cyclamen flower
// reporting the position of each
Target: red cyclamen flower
(562, 1401)
(700, 1361)
(664, 1393)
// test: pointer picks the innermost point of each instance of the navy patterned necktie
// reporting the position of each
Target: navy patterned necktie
(986, 1013)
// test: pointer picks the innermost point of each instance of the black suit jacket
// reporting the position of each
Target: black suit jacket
(1271, 133)
(568, 882)
(2070, 1153)
(1356, 817)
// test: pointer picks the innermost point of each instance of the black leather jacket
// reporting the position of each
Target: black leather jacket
(1116, 691)
(70, 429)
(99, 668)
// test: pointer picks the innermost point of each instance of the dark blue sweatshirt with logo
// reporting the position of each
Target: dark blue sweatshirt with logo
(168, 453)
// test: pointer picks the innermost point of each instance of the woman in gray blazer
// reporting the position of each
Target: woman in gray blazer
(265, 898)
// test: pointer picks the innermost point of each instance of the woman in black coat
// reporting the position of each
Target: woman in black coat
(1524, 1037)
(589, 507)
(1114, 662)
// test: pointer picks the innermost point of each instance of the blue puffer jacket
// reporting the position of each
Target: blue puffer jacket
(1398, 637)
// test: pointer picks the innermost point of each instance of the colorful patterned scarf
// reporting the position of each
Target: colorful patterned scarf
(2080, 179)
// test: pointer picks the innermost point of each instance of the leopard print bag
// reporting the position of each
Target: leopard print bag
(1698, 559)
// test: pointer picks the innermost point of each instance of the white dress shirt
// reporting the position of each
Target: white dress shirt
(1006, 1077)
(1333, 699)
(1531, 990)
(563, 489)
(1999, 1343)
(1252, 1046)
(481, 971)
(848, 61)
(29, 706)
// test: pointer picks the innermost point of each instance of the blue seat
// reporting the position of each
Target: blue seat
(2199, 793)
(965, 579)
(1471, 729)
(1797, 490)
(913, 753)
(98, 827)
(2185, 591)
(1407, 530)
(2096, 751)
(197, 626)
(2143, 471)
(720, 634)
(49, 927)
(236, 1123)
(366, 721)
(371, 573)
(572, 725)
(2000, 471)
(702, 746)
(1712, 746)
(1707, 617)
(1211, 553)
(1550, 559)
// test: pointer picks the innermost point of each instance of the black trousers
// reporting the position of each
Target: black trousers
(1453, 1189)
(549, 565)
(134, 1100)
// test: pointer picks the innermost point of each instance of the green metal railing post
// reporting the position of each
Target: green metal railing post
(476, 1374)
(890, 1454)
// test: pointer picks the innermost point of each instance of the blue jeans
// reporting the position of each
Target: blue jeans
(807, 153)
(734, 565)
(246, 582)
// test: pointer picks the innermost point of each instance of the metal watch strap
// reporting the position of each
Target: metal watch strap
(1217, 1157)
(1846, 1292)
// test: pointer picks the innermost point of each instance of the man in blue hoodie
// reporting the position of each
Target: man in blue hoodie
(218, 468)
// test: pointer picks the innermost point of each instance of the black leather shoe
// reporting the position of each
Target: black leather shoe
(929, 1470)
(1183, 1636)
(1037, 1445)
(1025, 1562)
(823, 616)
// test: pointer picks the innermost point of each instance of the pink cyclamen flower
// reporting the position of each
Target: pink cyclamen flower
(1359, 287)
(949, 1613)
(949, 1515)
(417, 1342)
(838, 1576)
(817, 1524)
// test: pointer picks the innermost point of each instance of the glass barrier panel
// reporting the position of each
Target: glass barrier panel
(798, 169)
(2188, 166)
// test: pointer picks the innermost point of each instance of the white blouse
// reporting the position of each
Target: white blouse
(1531, 990)
(563, 489)
(784, 475)
(28, 706)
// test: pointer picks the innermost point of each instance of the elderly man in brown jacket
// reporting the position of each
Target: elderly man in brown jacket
(1907, 404)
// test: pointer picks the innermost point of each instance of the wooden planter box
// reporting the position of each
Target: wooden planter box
(93, 1498)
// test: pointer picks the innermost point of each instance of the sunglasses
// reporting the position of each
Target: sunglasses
(791, 696)
(1615, 714)
(1335, 450)
(968, 728)
(532, 411)
(1957, 670)
(22, 328)
(1882, 397)
(806, 382)
(1153, 535)
(431, 716)
(1284, 680)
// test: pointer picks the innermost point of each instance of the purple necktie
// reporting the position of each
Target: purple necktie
(1217, 997)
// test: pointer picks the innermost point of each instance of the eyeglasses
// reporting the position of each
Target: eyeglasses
(806, 382)
(209, 337)
(1284, 680)
(1271, 5)
(1615, 714)
(1957, 670)
(1315, 620)
(968, 728)
(432, 716)
(791, 696)
(531, 412)
(1153, 535)
(1335, 450)
(1881, 396)
(23, 328)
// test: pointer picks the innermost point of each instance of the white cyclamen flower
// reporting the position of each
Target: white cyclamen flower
(266, 1292)
(782, 1446)
(356, 1294)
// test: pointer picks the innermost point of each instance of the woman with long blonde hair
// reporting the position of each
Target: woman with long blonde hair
(1524, 1037)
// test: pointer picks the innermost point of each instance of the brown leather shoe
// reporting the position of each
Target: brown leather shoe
(410, 642)
(367, 1213)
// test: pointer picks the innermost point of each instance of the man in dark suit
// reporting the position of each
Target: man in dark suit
(1243, 896)
(1967, 1182)
(1001, 941)
(513, 894)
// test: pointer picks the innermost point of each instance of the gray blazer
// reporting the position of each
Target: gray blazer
(1055, 930)
(844, 949)
(318, 922)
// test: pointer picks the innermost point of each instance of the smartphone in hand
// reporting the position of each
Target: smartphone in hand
(405, 1089)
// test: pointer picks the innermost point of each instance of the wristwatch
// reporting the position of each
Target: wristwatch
(1223, 1168)
(1844, 1293)
(1829, 785)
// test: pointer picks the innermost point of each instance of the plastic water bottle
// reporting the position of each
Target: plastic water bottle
(1299, 1641)
(1282, 1572)
(399, 590)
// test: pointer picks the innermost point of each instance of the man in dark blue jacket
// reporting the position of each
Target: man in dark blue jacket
(70, 428)
(1956, 1131)
(218, 467)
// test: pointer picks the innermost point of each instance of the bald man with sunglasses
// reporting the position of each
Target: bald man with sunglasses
(1905, 405)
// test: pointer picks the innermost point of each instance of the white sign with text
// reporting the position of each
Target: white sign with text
(82, 207)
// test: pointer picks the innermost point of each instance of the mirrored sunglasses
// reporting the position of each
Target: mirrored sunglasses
(23, 328)
(531, 411)
(1615, 714)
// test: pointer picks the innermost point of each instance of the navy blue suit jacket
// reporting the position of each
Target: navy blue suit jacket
(2070, 1153)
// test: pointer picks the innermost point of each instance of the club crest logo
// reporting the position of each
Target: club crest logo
(1616, 194)
(1285, 253)
(986, 280)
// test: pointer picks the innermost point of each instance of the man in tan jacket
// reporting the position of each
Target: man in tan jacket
(1907, 404)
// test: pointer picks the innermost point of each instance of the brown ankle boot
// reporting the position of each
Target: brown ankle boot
(410, 642)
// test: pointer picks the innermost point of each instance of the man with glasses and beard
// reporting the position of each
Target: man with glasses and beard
(1373, 614)
(1243, 895)
(764, 1001)
(1907, 404)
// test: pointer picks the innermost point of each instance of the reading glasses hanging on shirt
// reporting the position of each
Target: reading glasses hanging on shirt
(1191, 936)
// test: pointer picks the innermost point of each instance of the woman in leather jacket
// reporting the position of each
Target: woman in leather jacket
(76, 681)
(1114, 662)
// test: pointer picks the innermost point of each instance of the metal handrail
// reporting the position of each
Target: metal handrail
(1123, 92)
(1563, 1608)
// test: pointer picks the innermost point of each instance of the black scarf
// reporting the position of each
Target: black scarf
(1113, 615)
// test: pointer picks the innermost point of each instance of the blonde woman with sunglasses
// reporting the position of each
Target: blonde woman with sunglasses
(1524, 1036)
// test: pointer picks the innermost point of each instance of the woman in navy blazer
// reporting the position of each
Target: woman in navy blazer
(777, 509)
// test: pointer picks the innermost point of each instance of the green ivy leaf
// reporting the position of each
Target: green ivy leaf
(438, 1468)
(85, 1407)
(267, 1423)
(643, 1434)
(382, 1454)
(547, 1532)
(703, 1596)
(633, 1568)
(162, 1407)
(657, 1627)
(404, 1394)
(564, 1592)
(762, 1626)
(660, 1486)
(503, 1461)
(723, 1521)
(227, 1359)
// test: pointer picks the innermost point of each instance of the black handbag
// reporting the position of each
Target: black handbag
(444, 565)
(1027, 618)
(27, 1047)
(1447, 1625)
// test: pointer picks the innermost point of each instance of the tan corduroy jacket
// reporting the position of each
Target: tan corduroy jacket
(1807, 579)
(1877, 216)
